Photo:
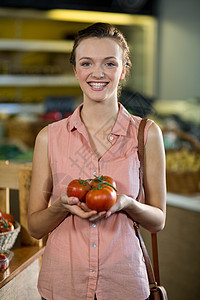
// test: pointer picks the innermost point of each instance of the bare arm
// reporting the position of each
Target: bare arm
(150, 215)
(43, 218)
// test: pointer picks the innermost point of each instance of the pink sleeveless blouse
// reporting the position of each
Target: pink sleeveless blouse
(82, 258)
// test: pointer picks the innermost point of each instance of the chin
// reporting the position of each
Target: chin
(96, 99)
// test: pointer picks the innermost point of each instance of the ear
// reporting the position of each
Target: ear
(75, 73)
(123, 74)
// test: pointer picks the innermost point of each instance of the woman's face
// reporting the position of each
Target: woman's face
(99, 67)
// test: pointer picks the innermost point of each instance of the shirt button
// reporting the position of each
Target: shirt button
(93, 271)
(94, 225)
(94, 245)
(95, 173)
(111, 138)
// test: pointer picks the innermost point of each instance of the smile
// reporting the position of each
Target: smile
(98, 85)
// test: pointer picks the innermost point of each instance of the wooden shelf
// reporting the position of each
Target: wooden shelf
(37, 80)
(32, 30)
(36, 45)
(23, 257)
(81, 16)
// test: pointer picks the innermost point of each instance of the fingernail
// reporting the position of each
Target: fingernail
(108, 214)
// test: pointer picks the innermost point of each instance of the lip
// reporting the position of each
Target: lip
(98, 85)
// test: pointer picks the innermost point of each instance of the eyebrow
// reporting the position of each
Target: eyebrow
(109, 57)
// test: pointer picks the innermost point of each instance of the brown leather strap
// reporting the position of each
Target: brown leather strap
(155, 257)
(152, 277)
(141, 155)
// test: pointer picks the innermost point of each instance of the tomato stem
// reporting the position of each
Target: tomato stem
(97, 178)
(100, 178)
(99, 186)
(83, 182)
(6, 225)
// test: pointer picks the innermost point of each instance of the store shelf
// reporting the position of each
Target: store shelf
(67, 15)
(23, 257)
(36, 45)
(189, 202)
(35, 80)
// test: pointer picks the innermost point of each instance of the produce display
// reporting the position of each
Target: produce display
(99, 193)
(4, 262)
(6, 227)
(183, 160)
(6, 222)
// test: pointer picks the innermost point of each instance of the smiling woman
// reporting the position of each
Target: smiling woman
(91, 254)
(111, 37)
(99, 68)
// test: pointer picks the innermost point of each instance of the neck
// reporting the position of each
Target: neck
(99, 113)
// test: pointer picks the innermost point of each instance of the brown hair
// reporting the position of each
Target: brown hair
(102, 30)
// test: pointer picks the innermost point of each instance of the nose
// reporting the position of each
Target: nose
(98, 72)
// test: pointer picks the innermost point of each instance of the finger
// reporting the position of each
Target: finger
(69, 200)
(112, 210)
(108, 214)
(84, 206)
(99, 216)
(73, 201)
(78, 211)
(87, 215)
(102, 213)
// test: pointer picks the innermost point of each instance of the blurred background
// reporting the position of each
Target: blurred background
(37, 86)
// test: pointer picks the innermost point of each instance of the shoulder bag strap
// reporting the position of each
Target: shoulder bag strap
(154, 278)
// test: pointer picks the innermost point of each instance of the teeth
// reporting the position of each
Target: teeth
(97, 84)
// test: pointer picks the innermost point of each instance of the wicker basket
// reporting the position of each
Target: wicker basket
(184, 180)
(187, 182)
(7, 239)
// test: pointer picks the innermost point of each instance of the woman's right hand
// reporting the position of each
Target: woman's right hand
(76, 207)
(80, 209)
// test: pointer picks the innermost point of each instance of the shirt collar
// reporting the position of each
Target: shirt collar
(120, 127)
(123, 120)
(75, 119)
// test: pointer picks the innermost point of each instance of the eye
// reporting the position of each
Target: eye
(110, 64)
(85, 64)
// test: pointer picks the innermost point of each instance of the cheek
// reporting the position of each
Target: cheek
(119, 76)
(80, 75)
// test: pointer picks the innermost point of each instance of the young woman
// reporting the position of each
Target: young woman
(88, 253)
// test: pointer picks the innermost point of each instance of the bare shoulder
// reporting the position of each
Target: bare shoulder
(41, 145)
(154, 132)
(154, 143)
(42, 136)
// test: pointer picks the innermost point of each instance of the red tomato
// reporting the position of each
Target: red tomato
(78, 188)
(6, 226)
(101, 199)
(96, 181)
(11, 226)
(8, 217)
(4, 262)
(2, 256)
(0, 214)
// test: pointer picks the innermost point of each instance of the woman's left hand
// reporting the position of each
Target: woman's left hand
(122, 202)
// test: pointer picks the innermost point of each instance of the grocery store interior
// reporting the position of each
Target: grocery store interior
(38, 87)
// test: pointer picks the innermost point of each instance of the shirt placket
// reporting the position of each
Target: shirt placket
(93, 259)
